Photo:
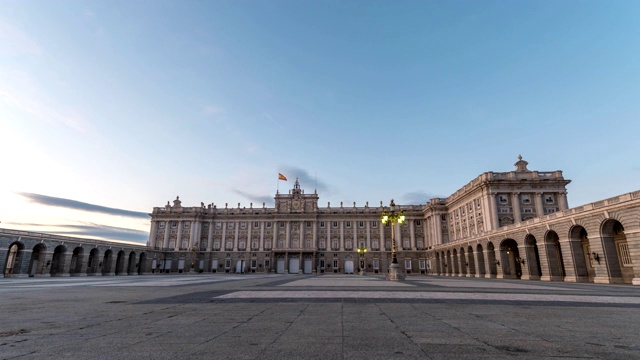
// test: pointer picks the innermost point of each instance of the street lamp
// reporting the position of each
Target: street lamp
(194, 249)
(361, 252)
(391, 217)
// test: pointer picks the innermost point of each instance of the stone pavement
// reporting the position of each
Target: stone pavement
(325, 317)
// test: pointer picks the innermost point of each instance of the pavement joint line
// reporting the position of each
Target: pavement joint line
(428, 296)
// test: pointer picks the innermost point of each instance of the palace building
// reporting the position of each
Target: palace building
(515, 224)
(300, 236)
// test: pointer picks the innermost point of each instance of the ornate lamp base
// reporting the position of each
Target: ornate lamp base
(395, 273)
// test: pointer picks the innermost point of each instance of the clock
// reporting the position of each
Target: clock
(295, 205)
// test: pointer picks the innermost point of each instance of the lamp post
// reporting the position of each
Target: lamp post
(391, 217)
(361, 252)
(194, 249)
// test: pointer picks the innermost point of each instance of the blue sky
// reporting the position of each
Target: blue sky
(108, 109)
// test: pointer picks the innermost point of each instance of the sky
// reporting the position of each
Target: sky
(108, 109)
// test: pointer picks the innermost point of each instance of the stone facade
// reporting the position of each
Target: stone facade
(505, 225)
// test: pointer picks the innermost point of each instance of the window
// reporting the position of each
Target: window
(322, 224)
(348, 224)
(526, 199)
(375, 245)
(242, 245)
(549, 210)
(443, 217)
(229, 225)
(505, 210)
(335, 264)
(187, 224)
(418, 222)
(308, 224)
(218, 225)
(335, 224)
(407, 264)
(174, 224)
(376, 264)
(254, 245)
(161, 225)
(374, 224)
(423, 265)
(625, 255)
(256, 224)
(360, 224)
(268, 224)
(216, 246)
(478, 203)
(281, 224)
(528, 211)
(267, 245)
(243, 225)
(548, 199)
(503, 199)
(335, 245)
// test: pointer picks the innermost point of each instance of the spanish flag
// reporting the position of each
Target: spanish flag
(282, 177)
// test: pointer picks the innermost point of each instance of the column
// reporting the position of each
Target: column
(236, 225)
(210, 236)
(261, 236)
(515, 201)
(341, 223)
(152, 234)
(287, 236)
(329, 241)
(249, 238)
(315, 238)
(539, 206)
(167, 231)
(412, 232)
(179, 236)
(562, 200)
(493, 209)
(368, 227)
(223, 243)
(303, 240)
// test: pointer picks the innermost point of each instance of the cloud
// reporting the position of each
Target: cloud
(82, 206)
(306, 180)
(212, 110)
(256, 199)
(20, 90)
(16, 41)
(91, 230)
(419, 197)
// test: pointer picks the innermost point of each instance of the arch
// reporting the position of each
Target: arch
(14, 259)
(471, 261)
(120, 259)
(107, 261)
(616, 255)
(532, 257)
(463, 263)
(131, 268)
(491, 257)
(36, 263)
(438, 271)
(554, 256)
(482, 270)
(448, 264)
(142, 260)
(456, 265)
(76, 261)
(57, 262)
(93, 264)
(510, 259)
(581, 250)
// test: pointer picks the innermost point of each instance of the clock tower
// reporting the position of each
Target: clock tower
(296, 201)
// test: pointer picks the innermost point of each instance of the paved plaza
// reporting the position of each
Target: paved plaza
(224, 316)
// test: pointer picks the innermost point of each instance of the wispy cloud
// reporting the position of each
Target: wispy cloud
(307, 180)
(256, 199)
(20, 90)
(212, 110)
(79, 205)
(418, 197)
(15, 41)
(90, 230)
